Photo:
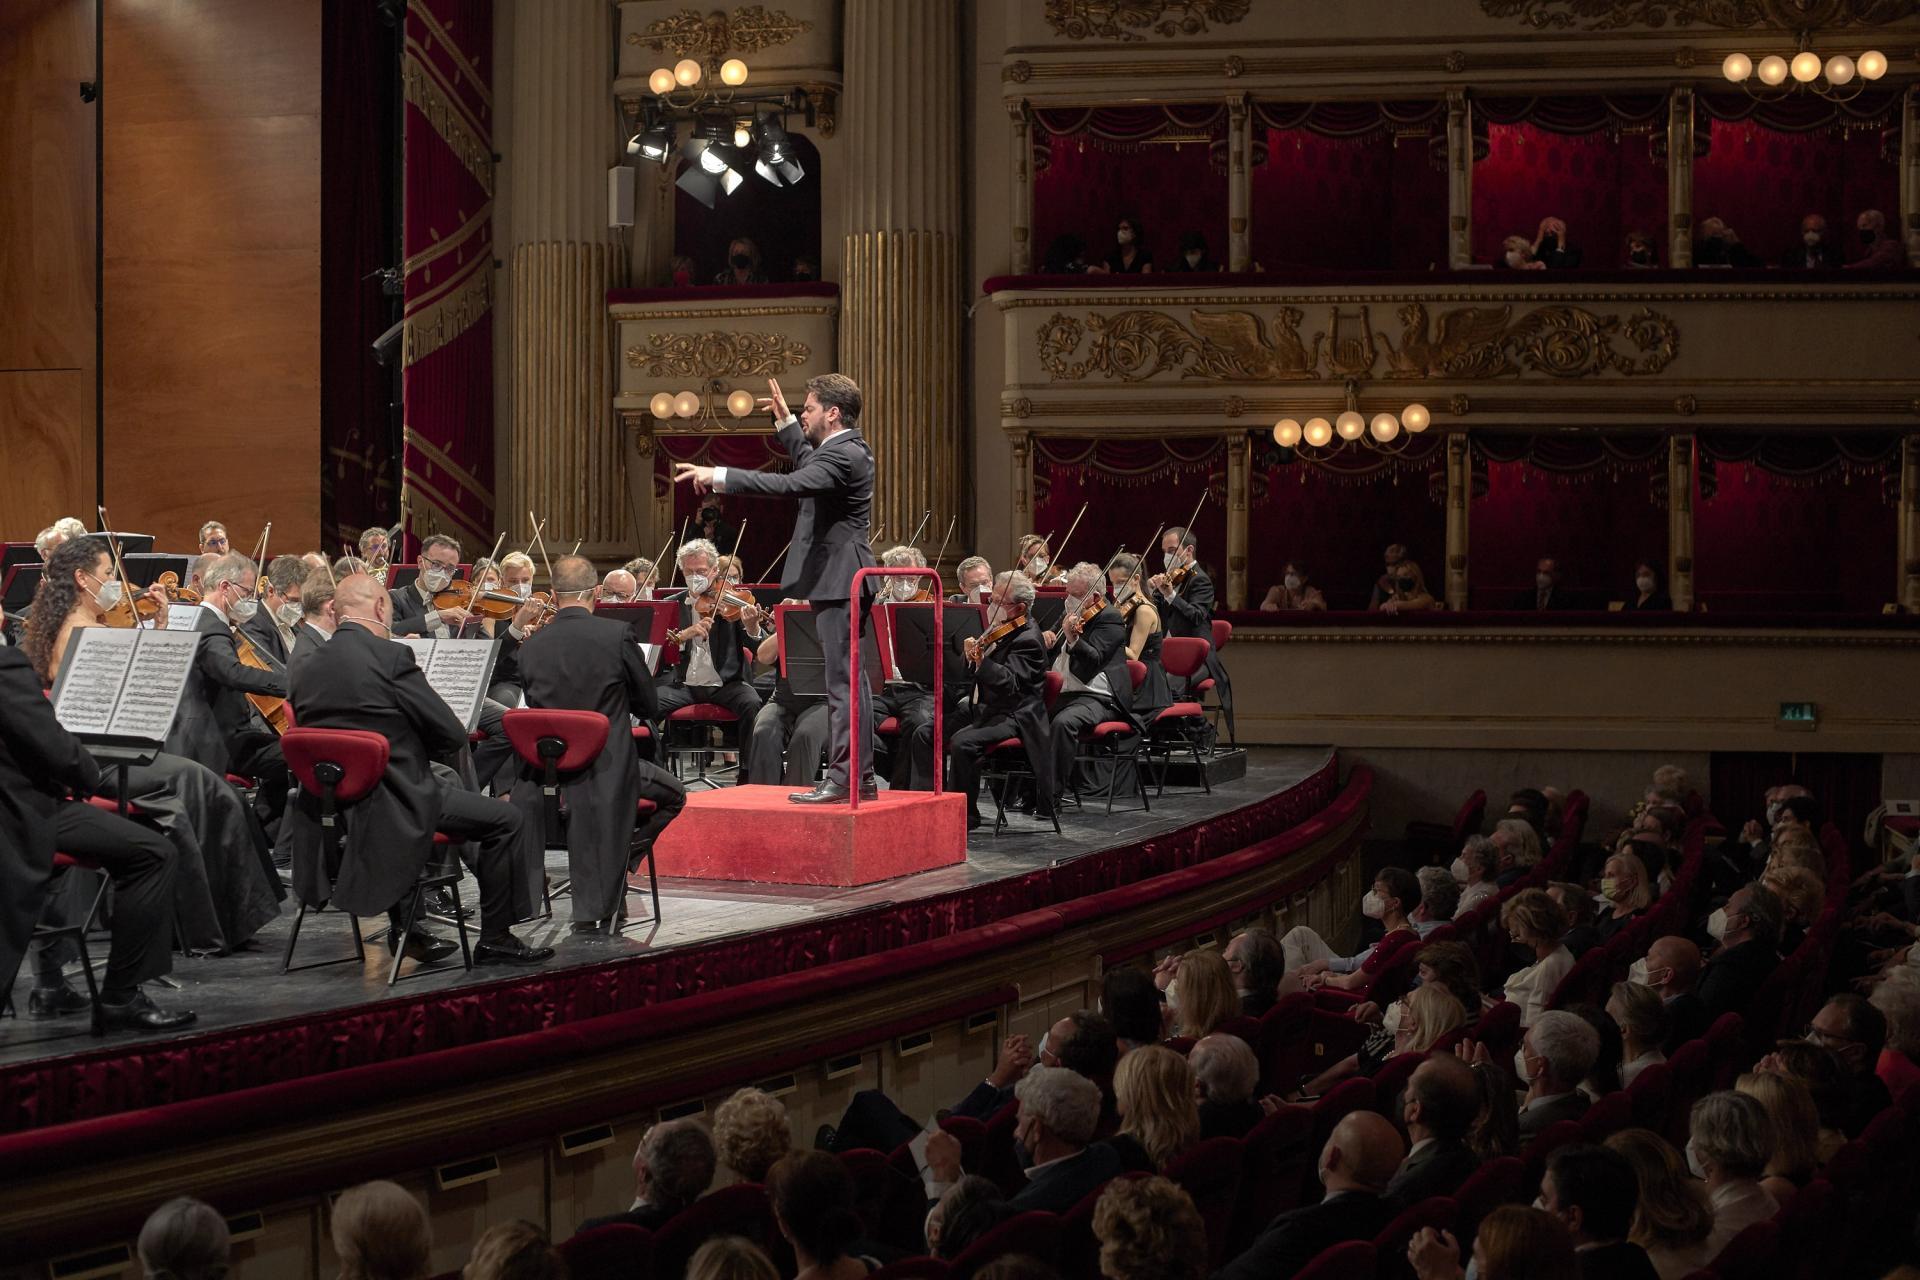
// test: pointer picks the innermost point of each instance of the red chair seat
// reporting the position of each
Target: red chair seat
(477, 736)
(1182, 656)
(442, 838)
(245, 784)
(647, 808)
(641, 733)
(1110, 729)
(697, 712)
(1005, 744)
(1204, 686)
(68, 861)
(361, 755)
(1179, 711)
(888, 728)
(583, 732)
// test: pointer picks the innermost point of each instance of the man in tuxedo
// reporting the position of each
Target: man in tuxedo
(1091, 660)
(357, 680)
(975, 576)
(1355, 1167)
(217, 726)
(271, 626)
(1187, 609)
(1594, 1190)
(317, 620)
(832, 478)
(414, 613)
(1556, 1054)
(40, 763)
(1546, 595)
(579, 662)
(1059, 1111)
(712, 668)
(672, 1167)
(1443, 1101)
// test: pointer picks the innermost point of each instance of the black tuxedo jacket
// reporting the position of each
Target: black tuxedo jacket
(1568, 1106)
(1437, 1170)
(1059, 1187)
(726, 638)
(1012, 682)
(217, 725)
(1530, 601)
(1101, 650)
(1733, 977)
(1298, 1236)
(1189, 611)
(409, 611)
(834, 483)
(259, 629)
(650, 1216)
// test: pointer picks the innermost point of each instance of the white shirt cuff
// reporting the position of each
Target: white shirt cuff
(719, 479)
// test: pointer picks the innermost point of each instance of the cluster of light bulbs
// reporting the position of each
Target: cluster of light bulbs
(1805, 67)
(1351, 425)
(686, 73)
(687, 404)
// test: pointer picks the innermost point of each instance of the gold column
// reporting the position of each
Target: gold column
(1909, 592)
(1022, 516)
(564, 456)
(1239, 185)
(1459, 497)
(1910, 171)
(1022, 187)
(1680, 521)
(1680, 185)
(901, 294)
(1459, 179)
(1239, 487)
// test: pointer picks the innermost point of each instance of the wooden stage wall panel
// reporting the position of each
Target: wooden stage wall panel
(46, 265)
(213, 269)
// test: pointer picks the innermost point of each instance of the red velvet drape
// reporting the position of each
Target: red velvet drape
(448, 351)
(1336, 526)
(1603, 184)
(1596, 524)
(1762, 181)
(1088, 184)
(1766, 541)
(1130, 486)
(769, 521)
(1373, 202)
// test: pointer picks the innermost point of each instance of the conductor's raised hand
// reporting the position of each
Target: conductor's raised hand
(702, 477)
(776, 402)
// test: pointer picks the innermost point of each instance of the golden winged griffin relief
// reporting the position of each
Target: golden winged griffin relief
(1461, 343)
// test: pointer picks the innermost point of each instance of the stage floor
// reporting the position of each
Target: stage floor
(248, 987)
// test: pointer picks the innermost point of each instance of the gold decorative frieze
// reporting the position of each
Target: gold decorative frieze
(1125, 20)
(749, 29)
(1790, 15)
(717, 354)
(1466, 343)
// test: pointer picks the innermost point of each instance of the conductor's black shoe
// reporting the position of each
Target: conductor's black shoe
(55, 1002)
(142, 1014)
(833, 793)
(507, 949)
(422, 946)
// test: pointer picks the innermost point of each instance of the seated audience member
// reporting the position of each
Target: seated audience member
(185, 1239)
(680, 271)
(1517, 255)
(1357, 1163)
(1520, 849)
(1294, 593)
(1849, 1027)
(743, 264)
(1795, 1153)
(1898, 1001)
(1582, 935)
(1129, 255)
(1066, 256)
(1642, 1018)
(1594, 1190)
(1814, 252)
(970, 1208)
(1747, 928)
(514, 1251)
(1442, 1100)
(1194, 255)
(1477, 869)
(731, 1258)
(1154, 1091)
(1496, 1125)
(1641, 254)
(1059, 1110)
(1200, 991)
(380, 1232)
(1673, 1220)
(1883, 251)
(1825, 1078)
(1729, 1142)
(1718, 245)
(1384, 587)
(1536, 922)
(1410, 591)
(672, 1167)
(1514, 1243)
(1394, 895)
(1551, 246)
(1225, 1074)
(1412, 1025)
(1556, 1054)
(1529, 805)
(1149, 1229)
(1628, 889)
(1603, 1077)
(1131, 1002)
(750, 1132)
(1647, 596)
(812, 1196)
(806, 269)
(1439, 900)
(1547, 594)
(1257, 963)
(1793, 847)
(1802, 896)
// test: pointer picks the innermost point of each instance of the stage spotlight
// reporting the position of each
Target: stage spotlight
(698, 183)
(386, 347)
(655, 144)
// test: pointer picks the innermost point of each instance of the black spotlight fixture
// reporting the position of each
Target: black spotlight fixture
(774, 152)
(654, 144)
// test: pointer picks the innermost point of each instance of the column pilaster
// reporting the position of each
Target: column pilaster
(1459, 179)
(1459, 497)
(1680, 181)
(1680, 521)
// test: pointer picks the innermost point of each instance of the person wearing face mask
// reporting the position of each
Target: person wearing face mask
(1391, 900)
(743, 264)
(1144, 634)
(1410, 594)
(514, 577)
(1594, 1190)
(1748, 931)
(1357, 1163)
(618, 587)
(1411, 1025)
(1718, 245)
(1884, 252)
(1186, 609)
(1815, 252)
(789, 730)
(975, 578)
(271, 626)
(646, 577)
(1640, 252)
(806, 269)
(1293, 593)
(359, 681)
(1091, 660)
(317, 620)
(1551, 248)
(1385, 587)
(1477, 870)
(1546, 594)
(1642, 1018)
(1536, 923)
(1730, 1139)
(1442, 1100)
(680, 272)
(1556, 1054)
(1130, 255)
(711, 669)
(414, 613)
(1671, 970)
(1059, 1111)
(1647, 595)
(1628, 892)
(1035, 559)
(1516, 254)
(909, 703)
(1854, 1031)
(1194, 255)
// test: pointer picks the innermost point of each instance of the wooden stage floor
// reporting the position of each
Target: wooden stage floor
(248, 987)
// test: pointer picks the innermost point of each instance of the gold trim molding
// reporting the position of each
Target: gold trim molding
(1590, 638)
(717, 354)
(1791, 15)
(749, 29)
(643, 311)
(1125, 20)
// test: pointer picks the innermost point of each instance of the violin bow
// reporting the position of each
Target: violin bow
(676, 555)
(951, 522)
(1059, 557)
(260, 564)
(538, 525)
(734, 555)
(119, 566)
(1140, 564)
(782, 556)
(1188, 531)
(493, 556)
(920, 528)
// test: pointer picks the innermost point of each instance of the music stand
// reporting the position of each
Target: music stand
(145, 568)
(650, 621)
(1047, 609)
(803, 664)
(22, 581)
(913, 640)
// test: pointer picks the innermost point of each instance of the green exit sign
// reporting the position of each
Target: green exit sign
(1798, 715)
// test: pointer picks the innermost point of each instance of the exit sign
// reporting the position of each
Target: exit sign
(1801, 716)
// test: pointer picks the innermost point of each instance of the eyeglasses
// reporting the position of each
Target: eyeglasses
(1825, 1039)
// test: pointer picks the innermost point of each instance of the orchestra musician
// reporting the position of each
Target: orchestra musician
(911, 704)
(1184, 595)
(1008, 698)
(373, 546)
(414, 613)
(359, 681)
(271, 626)
(976, 581)
(1033, 558)
(789, 727)
(583, 663)
(619, 587)
(1143, 633)
(1090, 654)
(646, 577)
(317, 619)
(711, 668)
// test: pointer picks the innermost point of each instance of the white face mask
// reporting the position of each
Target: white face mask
(435, 580)
(1516, 259)
(1717, 923)
(1644, 582)
(1293, 581)
(288, 614)
(1391, 1020)
(1773, 810)
(1460, 871)
(1372, 906)
(1811, 237)
(1693, 1163)
(523, 589)
(1036, 566)
(243, 608)
(1173, 994)
(1473, 1269)
(1543, 580)
(1193, 259)
(697, 584)
(109, 594)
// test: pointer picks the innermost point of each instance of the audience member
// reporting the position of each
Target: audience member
(1673, 1220)
(1225, 1075)
(1412, 1025)
(1131, 1002)
(1672, 970)
(1517, 254)
(812, 1197)
(1148, 1229)
(1477, 869)
(1496, 1125)
(1802, 897)
(1257, 963)
(1194, 255)
(380, 1232)
(1546, 594)
(743, 264)
(1384, 586)
(672, 1167)
(970, 1208)
(1577, 903)
(731, 1258)
(1059, 1110)
(1357, 1163)
(1536, 922)
(680, 271)
(1647, 596)
(515, 1250)
(1439, 900)
(1729, 1141)
(1795, 1155)
(184, 1239)
(1520, 849)
(1200, 991)
(1747, 929)
(1293, 593)
(1642, 1018)
(1603, 1077)
(1718, 245)
(1066, 256)
(1442, 1102)
(1552, 248)
(1641, 255)
(1129, 255)
(1556, 1053)
(1395, 893)
(1628, 889)
(1814, 251)
(1154, 1091)
(1824, 1077)
(1594, 1191)
(1514, 1243)
(1883, 251)
(1410, 594)
(806, 268)
(1850, 1028)
(1899, 1002)
(750, 1132)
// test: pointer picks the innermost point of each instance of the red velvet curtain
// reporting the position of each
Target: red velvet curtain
(769, 521)
(1763, 180)
(1596, 523)
(1129, 486)
(1335, 523)
(1371, 202)
(448, 349)
(1089, 183)
(1764, 541)
(1602, 183)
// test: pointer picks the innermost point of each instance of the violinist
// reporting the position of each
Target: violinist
(317, 619)
(789, 727)
(514, 577)
(646, 577)
(909, 703)
(1184, 594)
(65, 529)
(1143, 633)
(1090, 655)
(271, 627)
(373, 545)
(619, 587)
(414, 612)
(217, 725)
(712, 669)
(1008, 696)
(1033, 558)
(976, 581)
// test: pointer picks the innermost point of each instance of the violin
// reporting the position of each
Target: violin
(1016, 619)
(723, 600)
(481, 602)
(169, 583)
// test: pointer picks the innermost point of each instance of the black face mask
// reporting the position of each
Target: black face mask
(1405, 585)
(1549, 243)
(741, 261)
(1641, 257)
(1866, 235)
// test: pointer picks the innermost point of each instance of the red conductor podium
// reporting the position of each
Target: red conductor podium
(756, 833)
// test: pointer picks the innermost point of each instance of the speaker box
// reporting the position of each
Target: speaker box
(620, 196)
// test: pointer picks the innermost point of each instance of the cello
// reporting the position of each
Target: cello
(273, 710)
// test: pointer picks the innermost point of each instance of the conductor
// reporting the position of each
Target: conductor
(832, 477)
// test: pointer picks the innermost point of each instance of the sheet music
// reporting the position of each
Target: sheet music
(459, 671)
(156, 677)
(183, 617)
(422, 647)
(124, 683)
(91, 677)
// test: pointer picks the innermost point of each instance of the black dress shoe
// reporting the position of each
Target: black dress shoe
(56, 1002)
(833, 793)
(508, 949)
(142, 1014)
(423, 946)
(440, 902)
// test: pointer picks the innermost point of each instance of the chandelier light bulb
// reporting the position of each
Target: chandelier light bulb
(740, 135)
(661, 81)
(662, 405)
(1415, 418)
(1384, 427)
(1806, 66)
(687, 72)
(1840, 69)
(1873, 64)
(739, 402)
(733, 72)
(1773, 69)
(1317, 432)
(1286, 433)
(1737, 67)
(686, 404)
(1350, 425)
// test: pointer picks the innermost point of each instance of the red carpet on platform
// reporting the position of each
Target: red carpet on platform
(757, 834)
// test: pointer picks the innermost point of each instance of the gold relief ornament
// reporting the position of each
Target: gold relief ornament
(1560, 341)
(717, 354)
(749, 29)
(1790, 15)
(1222, 346)
(1124, 20)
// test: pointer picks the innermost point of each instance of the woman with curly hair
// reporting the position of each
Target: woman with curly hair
(1148, 1229)
(1159, 1111)
(224, 888)
(1535, 921)
(751, 1132)
(1674, 1220)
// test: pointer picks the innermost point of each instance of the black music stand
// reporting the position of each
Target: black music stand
(804, 663)
(913, 641)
